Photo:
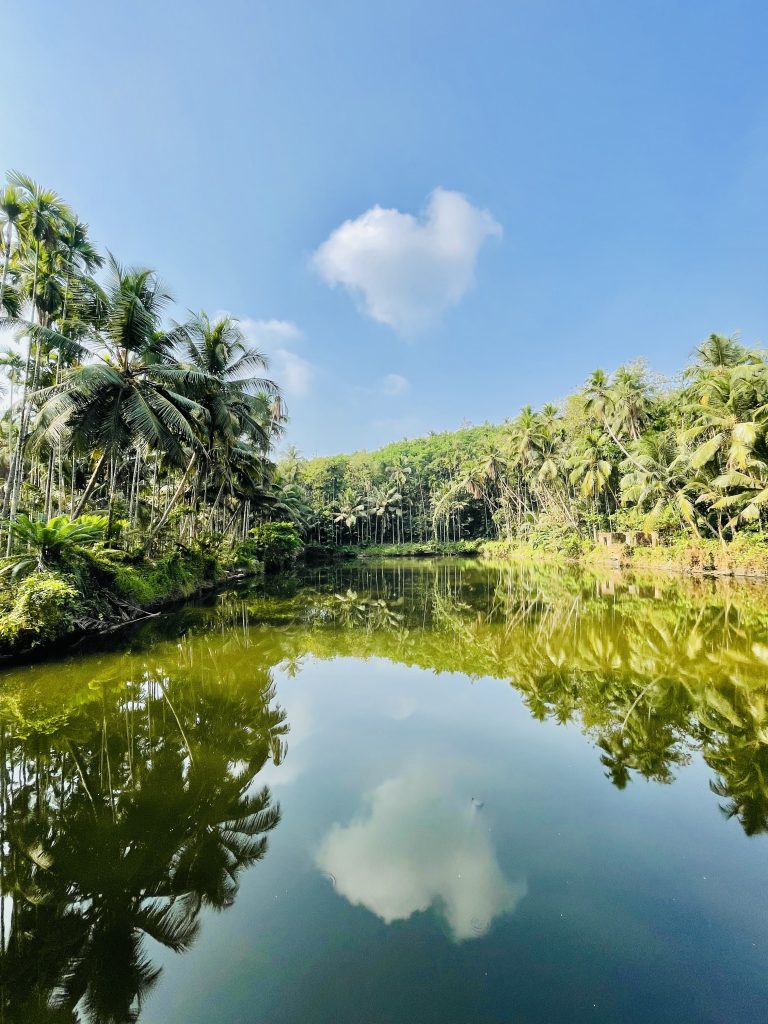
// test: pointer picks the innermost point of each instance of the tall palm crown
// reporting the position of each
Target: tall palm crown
(39, 227)
(11, 208)
(134, 393)
(230, 392)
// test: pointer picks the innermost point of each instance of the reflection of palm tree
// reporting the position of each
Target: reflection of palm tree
(650, 680)
(136, 814)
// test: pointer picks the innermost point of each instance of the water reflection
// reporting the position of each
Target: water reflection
(129, 791)
(417, 845)
(651, 670)
(122, 817)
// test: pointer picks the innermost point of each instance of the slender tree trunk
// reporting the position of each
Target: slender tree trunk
(177, 494)
(49, 486)
(6, 261)
(15, 474)
(89, 486)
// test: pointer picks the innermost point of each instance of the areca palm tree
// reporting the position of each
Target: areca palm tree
(38, 227)
(11, 207)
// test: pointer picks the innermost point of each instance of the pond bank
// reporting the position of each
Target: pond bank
(737, 560)
(52, 610)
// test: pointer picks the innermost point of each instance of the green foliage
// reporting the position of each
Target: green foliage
(422, 549)
(627, 451)
(43, 608)
(150, 583)
(52, 543)
(320, 554)
(277, 545)
(164, 427)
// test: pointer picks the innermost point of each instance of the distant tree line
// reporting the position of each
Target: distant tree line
(627, 451)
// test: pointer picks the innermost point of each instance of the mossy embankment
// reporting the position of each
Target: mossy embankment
(745, 556)
(64, 591)
(53, 606)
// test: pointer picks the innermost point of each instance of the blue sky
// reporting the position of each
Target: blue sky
(560, 185)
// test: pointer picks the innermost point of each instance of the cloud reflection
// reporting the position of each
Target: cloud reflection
(419, 846)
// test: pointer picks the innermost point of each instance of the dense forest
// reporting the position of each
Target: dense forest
(164, 428)
(627, 452)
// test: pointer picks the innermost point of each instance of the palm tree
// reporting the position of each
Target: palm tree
(630, 400)
(38, 228)
(656, 480)
(135, 394)
(11, 207)
(600, 403)
(720, 354)
(348, 513)
(241, 411)
(591, 470)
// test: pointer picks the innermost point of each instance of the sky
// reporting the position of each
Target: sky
(426, 213)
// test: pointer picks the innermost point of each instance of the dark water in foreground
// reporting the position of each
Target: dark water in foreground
(416, 793)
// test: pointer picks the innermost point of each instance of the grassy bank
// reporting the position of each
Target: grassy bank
(420, 549)
(746, 556)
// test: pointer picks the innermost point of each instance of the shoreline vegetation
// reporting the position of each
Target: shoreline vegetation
(138, 460)
(701, 558)
(136, 451)
(631, 470)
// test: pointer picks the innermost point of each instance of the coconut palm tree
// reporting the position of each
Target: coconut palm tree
(656, 480)
(591, 469)
(135, 393)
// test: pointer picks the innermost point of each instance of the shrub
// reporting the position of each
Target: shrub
(53, 543)
(277, 545)
(43, 608)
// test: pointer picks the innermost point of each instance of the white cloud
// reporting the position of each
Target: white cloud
(395, 384)
(293, 372)
(407, 270)
(420, 847)
(271, 333)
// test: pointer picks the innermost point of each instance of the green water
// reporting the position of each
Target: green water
(406, 793)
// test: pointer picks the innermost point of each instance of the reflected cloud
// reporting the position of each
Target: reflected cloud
(421, 846)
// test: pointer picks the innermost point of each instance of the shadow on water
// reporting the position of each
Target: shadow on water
(129, 789)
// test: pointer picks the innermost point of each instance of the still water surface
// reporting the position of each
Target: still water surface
(407, 793)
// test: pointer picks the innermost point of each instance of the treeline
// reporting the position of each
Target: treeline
(626, 452)
(163, 428)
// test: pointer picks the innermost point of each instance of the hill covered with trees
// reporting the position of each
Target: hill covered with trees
(686, 459)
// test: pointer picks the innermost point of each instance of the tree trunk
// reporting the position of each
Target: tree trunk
(89, 486)
(174, 500)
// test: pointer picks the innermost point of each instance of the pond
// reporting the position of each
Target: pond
(396, 793)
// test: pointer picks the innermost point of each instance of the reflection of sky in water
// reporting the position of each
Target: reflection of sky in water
(416, 846)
